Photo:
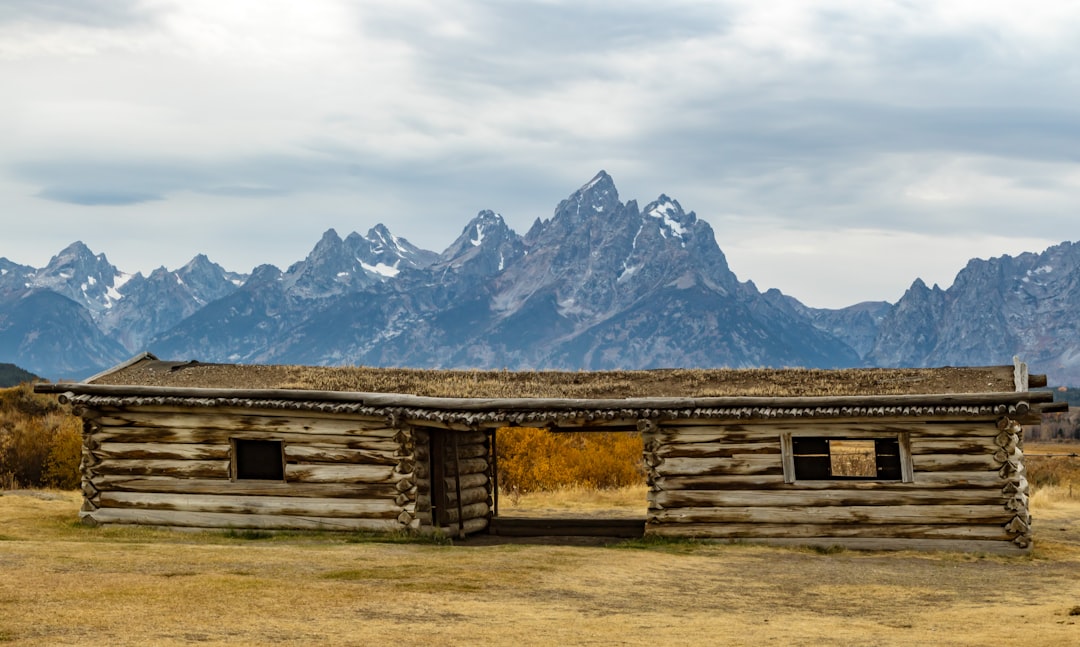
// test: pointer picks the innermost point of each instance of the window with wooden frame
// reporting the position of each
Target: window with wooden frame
(262, 460)
(846, 458)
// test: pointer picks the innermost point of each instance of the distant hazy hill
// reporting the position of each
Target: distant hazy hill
(10, 375)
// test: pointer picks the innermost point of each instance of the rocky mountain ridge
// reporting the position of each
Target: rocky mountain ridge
(601, 284)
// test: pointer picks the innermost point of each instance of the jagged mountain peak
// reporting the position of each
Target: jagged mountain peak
(483, 227)
(485, 247)
(263, 274)
(598, 196)
(76, 256)
(84, 277)
(391, 253)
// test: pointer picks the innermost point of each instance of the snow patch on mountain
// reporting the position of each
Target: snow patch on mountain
(382, 269)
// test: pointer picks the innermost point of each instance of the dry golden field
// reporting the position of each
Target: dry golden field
(63, 583)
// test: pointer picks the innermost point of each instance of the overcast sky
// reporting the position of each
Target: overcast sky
(839, 149)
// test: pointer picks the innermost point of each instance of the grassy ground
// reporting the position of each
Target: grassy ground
(66, 584)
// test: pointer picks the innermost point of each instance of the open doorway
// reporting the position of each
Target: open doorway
(588, 482)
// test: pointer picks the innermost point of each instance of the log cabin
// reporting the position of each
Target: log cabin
(922, 459)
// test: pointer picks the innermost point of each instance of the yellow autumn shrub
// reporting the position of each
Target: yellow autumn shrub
(532, 460)
(40, 441)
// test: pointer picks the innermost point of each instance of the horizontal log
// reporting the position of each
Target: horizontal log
(962, 445)
(469, 496)
(260, 505)
(471, 511)
(557, 404)
(809, 531)
(717, 450)
(694, 431)
(923, 480)
(917, 514)
(741, 464)
(471, 526)
(987, 546)
(341, 474)
(161, 451)
(467, 465)
(954, 463)
(228, 520)
(225, 486)
(340, 455)
(177, 468)
(221, 436)
(476, 479)
(723, 498)
(472, 450)
(247, 420)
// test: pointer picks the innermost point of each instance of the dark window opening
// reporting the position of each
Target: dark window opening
(258, 459)
(847, 458)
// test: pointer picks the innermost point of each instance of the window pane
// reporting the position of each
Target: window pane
(259, 459)
(853, 458)
(888, 458)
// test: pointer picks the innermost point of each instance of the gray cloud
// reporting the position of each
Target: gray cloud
(96, 197)
(920, 118)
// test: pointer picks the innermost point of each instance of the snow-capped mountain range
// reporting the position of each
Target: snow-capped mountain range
(602, 284)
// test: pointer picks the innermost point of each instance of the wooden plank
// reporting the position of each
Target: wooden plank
(225, 486)
(917, 514)
(673, 499)
(340, 473)
(177, 468)
(857, 543)
(555, 527)
(158, 451)
(176, 435)
(226, 520)
(306, 454)
(810, 531)
(922, 480)
(260, 505)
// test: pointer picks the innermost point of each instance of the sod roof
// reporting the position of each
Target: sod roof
(149, 371)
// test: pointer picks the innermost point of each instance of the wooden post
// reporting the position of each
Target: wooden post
(494, 474)
(1020, 375)
(457, 486)
(437, 460)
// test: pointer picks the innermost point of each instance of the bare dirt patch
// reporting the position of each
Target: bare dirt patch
(65, 584)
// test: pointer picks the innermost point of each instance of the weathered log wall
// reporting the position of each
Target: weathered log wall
(460, 462)
(967, 490)
(169, 466)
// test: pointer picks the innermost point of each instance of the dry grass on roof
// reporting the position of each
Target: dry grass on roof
(563, 384)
